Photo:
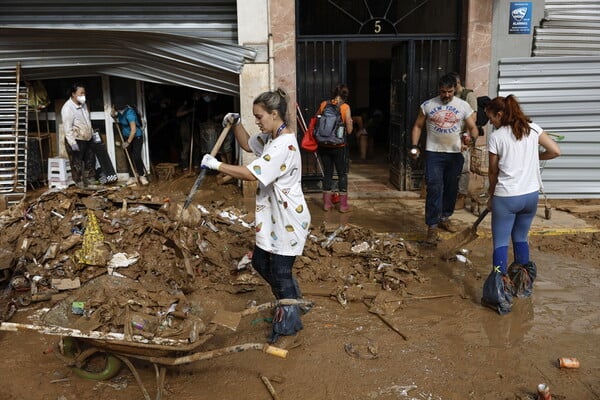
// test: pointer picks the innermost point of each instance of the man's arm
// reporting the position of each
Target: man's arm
(471, 127)
(67, 120)
(418, 128)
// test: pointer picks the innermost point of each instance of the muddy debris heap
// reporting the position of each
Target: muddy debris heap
(52, 247)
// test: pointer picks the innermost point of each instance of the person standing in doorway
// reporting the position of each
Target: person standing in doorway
(133, 138)
(463, 182)
(282, 216)
(514, 179)
(443, 116)
(77, 126)
(336, 155)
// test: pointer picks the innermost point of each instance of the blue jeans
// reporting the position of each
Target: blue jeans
(442, 171)
(334, 157)
(511, 219)
(277, 271)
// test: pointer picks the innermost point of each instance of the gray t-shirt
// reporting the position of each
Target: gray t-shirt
(444, 123)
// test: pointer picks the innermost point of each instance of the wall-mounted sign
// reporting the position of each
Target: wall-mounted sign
(519, 18)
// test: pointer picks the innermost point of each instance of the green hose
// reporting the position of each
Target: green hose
(111, 369)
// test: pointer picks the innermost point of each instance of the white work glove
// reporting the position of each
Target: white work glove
(231, 118)
(210, 162)
(126, 144)
(75, 147)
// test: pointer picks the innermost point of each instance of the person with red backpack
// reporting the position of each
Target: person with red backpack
(334, 124)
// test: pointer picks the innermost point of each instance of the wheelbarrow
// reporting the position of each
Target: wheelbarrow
(79, 347)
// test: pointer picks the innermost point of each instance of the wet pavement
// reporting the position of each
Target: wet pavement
(380, 206)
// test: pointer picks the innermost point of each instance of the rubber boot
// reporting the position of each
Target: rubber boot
(344, 207)
(327, 204)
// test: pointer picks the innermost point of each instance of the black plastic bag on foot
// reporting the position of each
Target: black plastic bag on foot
(497, 292)
(286, 322)
(522, 277)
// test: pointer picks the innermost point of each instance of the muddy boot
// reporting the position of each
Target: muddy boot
(460, 202)
(344, 207)
(327, 204)
(432, 235)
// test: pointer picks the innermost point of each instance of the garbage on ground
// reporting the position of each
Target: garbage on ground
(568, 362)
(142, 241)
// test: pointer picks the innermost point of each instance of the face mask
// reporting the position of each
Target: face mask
(81, 99)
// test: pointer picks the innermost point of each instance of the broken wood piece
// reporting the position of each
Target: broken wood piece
(437, 296)
(270, 387)
(387, 322)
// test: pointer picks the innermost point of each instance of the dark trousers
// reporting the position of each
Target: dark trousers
(82, 162)
(442, 171)
(334, 157)
(101, 154)
(135, 152)
(277, 271)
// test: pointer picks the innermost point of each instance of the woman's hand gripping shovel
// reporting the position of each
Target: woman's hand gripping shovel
(448, 248)
(202, 173)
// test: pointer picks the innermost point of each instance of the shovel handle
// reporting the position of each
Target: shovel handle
(480, 218)
(275, 351)
(220, 140)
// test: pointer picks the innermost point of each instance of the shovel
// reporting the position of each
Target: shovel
(231, 319)
(202, 173)
(135, 174)
(449, 247)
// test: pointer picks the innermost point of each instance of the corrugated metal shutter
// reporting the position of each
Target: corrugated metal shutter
(561, 94)
(188, 43)
(569, 28)
(206, 19)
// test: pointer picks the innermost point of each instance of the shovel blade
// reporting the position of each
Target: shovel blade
(448, 248)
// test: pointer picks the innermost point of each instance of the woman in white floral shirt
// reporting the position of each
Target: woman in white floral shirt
(282, 216)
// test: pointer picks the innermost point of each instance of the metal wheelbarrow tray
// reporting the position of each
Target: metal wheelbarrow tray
(119, 347)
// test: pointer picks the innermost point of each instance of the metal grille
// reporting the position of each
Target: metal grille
(13, 136)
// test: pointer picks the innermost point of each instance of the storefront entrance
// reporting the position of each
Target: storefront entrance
(389, 73)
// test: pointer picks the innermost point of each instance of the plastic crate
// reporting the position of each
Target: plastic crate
(59, 173)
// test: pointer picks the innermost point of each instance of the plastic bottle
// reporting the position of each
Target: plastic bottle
(96, 136)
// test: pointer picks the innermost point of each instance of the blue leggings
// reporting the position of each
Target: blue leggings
(511, 219)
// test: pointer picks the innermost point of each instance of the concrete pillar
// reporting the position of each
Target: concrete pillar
(268, 27)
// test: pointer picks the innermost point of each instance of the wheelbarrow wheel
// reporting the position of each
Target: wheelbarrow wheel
(108, 370)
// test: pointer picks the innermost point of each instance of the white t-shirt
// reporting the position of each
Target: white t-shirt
(518, 161)
(282, 216)
(444, 123)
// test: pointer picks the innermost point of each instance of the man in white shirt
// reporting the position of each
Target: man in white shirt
(77, 126)
(444, 117)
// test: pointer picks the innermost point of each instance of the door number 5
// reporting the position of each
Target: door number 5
(377, 26)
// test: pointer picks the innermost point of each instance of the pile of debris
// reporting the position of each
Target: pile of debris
(54, 245)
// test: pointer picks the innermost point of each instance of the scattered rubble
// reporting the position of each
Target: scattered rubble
(64, 239)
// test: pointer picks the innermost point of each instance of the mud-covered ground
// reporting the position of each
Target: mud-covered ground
(391, 320)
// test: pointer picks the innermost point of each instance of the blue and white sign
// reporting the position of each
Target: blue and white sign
(520, 18)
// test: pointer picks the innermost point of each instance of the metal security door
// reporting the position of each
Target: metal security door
(417, 66)
(321, 65)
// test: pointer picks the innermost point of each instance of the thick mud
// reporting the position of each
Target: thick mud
(391, 322)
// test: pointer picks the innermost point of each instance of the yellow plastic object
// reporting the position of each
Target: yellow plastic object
(275, 351)
(92, 251)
